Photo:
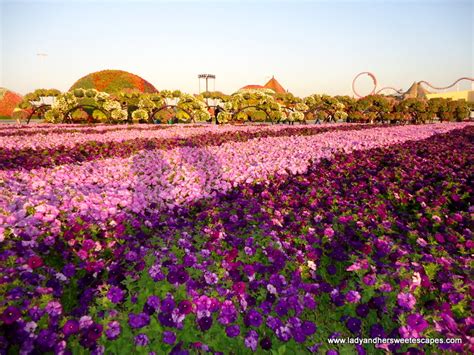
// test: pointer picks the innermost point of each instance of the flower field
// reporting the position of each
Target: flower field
(235, 239)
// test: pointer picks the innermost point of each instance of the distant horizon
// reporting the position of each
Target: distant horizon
(308, 46)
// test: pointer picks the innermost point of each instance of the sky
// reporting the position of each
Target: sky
(309, 46)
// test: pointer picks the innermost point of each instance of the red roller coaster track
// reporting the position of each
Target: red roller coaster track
(375, 91)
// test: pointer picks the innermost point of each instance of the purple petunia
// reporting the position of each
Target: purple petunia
(141, 340)
(353, 296)
(168, 304)
(139, 320)
(232, 330)
(253, 318)
(417, 322)
(115, 294)
(169, 337)
(308, 328)
(266, 343)
(113, 330)
(353, 324)
(205, 323)
(251, 340)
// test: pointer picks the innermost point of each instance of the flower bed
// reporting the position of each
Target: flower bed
(47, 150)
(270, 243)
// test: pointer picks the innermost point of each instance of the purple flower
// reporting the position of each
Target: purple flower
(168, 304)
(85, 322)
(152, 305)
(113, 330)
(228, 313)
(251, 340)
(156, 273)
(169, 337)
(298, 335)
(332, 352)
(273, 323)
(166, 319)
(46, 340)
(455, 297)
(266, 343)
(10, 315)
(70, 327)
(139, 320)
(406, 300)
(281, 308)
(183, 275)
(331, 269)
(205, 323)
(210, 278)
(369, 279)
(353, 324)
(283, 333)
(417, 322)
(141, 340)
(362, 310)
(94, 332)
(115, 294)
(232, 330)
(377, 331)
(131, 256)
(308, 328)
(253, 318)
(69, 270)
(353, 296)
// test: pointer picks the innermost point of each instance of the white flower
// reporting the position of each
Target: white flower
(272, 289)
(311, 265)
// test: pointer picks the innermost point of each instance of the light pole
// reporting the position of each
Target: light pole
(206, 77)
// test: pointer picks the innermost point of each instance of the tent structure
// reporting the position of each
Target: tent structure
(416, 91)
(252, 87)
(275, 86)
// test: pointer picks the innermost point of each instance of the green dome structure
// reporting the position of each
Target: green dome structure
(114, 81)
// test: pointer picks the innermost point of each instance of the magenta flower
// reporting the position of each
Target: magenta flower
(10, 315)
(417, 322)
(406, 300)
(70, 327)
(329, 232)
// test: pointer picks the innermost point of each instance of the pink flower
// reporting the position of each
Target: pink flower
(329, 232)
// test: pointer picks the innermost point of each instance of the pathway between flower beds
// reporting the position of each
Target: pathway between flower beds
(373, 243)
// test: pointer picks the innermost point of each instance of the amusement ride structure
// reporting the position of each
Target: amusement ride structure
(399, 92)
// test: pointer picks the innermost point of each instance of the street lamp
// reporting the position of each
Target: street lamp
(206, 77)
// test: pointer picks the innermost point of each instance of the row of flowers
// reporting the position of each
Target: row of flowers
(68, 147)
(374, 243)
(36, 201)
